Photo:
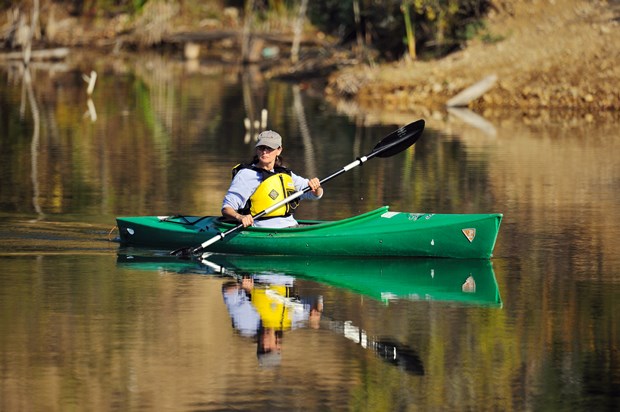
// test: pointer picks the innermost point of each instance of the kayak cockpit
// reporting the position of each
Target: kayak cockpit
(305, 225)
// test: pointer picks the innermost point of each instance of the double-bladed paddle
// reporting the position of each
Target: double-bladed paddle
(392, 144)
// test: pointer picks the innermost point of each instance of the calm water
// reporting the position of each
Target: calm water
(86, 325)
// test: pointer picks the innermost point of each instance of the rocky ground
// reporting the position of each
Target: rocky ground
(562, 54)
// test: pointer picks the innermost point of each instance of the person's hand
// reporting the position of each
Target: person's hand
(315, 185)
(246, 220)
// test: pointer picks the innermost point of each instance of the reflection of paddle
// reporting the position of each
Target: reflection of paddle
(385, 348)
(399, 355)
(392, 144)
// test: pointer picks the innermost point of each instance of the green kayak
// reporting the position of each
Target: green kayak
(465, 281)
(376, 233)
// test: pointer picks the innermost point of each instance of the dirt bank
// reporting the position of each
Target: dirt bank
(552, 54)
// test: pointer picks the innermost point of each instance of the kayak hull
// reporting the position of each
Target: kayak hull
(377, 233)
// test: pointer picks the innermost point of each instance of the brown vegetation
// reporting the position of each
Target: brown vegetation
(557, 54)
(548, 54)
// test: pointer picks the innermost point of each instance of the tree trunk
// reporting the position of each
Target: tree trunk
(301, 17)
(409, 28)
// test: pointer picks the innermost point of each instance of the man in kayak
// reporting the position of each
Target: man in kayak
(263, 183)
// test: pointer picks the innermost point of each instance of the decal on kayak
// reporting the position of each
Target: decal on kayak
(470, 234)
(388, 215)
(416, 216)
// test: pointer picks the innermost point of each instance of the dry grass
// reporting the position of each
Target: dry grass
(554, 54)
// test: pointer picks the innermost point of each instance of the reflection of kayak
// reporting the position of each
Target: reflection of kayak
(160, 263)
(376, 233)
(459, 280)
(456, 280)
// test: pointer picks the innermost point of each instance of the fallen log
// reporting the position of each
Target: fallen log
(472, 92)
(474, 120)
(47, 54)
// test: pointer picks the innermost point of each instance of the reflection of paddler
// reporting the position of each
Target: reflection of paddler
(273, 312)
(265, 309)
(270, 301)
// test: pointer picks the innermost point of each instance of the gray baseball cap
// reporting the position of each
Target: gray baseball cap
(269, 138)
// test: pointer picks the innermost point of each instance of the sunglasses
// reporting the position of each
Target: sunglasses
(264, 149)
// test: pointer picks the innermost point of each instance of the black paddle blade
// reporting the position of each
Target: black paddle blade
(399, 355)
(399, 140)
(181, 252)
(186, 252)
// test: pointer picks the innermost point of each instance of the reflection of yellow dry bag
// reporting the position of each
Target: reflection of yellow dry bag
(273, 312)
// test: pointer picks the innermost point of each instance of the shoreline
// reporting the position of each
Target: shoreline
(551, 56)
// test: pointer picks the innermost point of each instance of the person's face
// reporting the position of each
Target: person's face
(267, 155)
(247, 284)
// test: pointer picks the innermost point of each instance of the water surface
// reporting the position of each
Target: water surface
(94, 326)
